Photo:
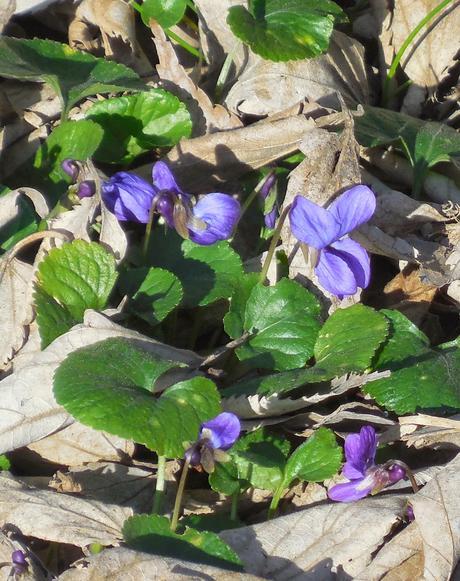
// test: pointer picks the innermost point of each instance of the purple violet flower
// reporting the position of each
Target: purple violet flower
(18, 559)
(366, 477)
(270, 212)
(130, 197)
(215, 436)
(86, 189)
(343, 264)
(70, 167)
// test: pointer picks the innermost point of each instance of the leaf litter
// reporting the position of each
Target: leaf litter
(298, 123)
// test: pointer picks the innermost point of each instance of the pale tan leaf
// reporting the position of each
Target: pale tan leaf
(314, 544)
(15, 305)
(265, 87)
(7, 8)
(400, 559)
(207, 117)
(112, 234)
(58, 517)
(110, 483)
(78, 444)
(252, 406)
(9, 204)
(202, 163)
(29, 411)
(437, 515)
(429, 57)
(121, 564)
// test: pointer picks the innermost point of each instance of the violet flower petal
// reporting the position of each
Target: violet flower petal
(334, 273)
(225, 429)
(353, 208)
(135, 194)
(220, 213)
(350, 491)
(313, 224)
(163, 178)
(270, 218)
(356, 257)
(360, 450)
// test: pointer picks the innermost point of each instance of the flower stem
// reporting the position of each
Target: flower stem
(184, 44)
(234, 507)
(148, 228)
(275, 501)
(179, 495)
(253, 195)
(387, 92)
(160, 486)
(273, 245)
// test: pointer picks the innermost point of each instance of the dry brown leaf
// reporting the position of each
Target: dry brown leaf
(265, 87)
(253, 406)
(116, 23)
(110, 483)
(400, 559)
(7, 8)
(202, 163)
(207, 117)
(77, 444)
(29, 411)
(422, 431)
(15, 305)
(121, 564)
(9, 204)
(429, 57)
(58, 517)
(318, 542)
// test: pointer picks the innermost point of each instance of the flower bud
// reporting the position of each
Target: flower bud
(86, 189)
(165, 207)
(396, 473)
(70, 167)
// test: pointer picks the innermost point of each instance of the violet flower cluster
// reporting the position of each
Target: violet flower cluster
(214, 438)
(130, 197)
(343, 265)
(365, 476)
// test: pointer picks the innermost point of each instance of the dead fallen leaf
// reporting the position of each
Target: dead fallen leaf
(15, 305)
(202, 163)
(109, 483)
(121, 564)
(77, 444)
(429, 56)
(265, 87)
(316, 543)
(399, 559)
(207, 117)
(29, 411)
(58, 517)
(408, 294)
(253, 406)
(7, 9)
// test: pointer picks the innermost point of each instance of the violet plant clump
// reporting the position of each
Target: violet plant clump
(365, 476)
(214, 438)
(342, 265)
(130, 197)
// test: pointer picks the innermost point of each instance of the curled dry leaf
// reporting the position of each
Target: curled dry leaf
(204, 162)
(15, 305)
(207, 117)
(422, 431)
(317, 542)
(61, 518)
(110, 483)
(265, 87)
(122, 564)
(77, 444)
(29, 411)
(430, 547)
(9, 204)
(253, 406)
